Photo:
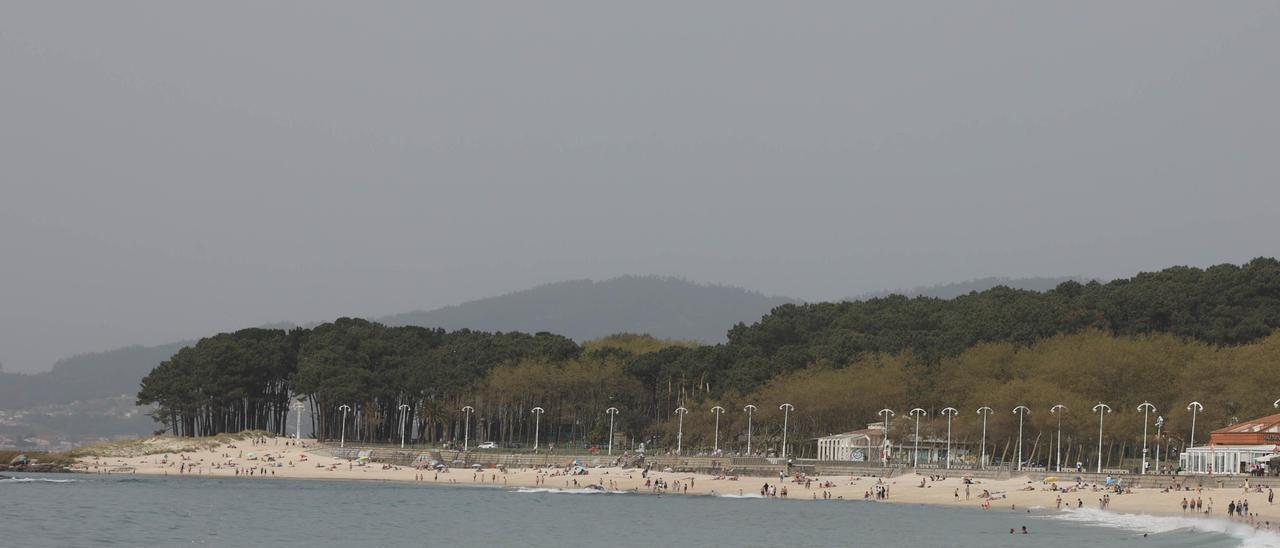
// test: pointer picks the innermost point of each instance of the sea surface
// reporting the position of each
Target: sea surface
(96, 510)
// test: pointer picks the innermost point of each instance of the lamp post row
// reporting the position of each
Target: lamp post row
(1102, 409)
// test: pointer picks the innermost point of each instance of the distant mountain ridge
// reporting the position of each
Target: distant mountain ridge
(85, 376)
(665, 307)
(956, 289)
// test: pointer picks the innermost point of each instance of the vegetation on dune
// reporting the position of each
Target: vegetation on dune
(156, 445)
(1168, 337)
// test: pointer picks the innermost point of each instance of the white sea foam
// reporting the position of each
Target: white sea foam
(37, 480)
(1144, 523)
(580, 491)
(742, 496)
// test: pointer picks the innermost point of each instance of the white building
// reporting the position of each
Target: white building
(866, 445)
(1242, 448)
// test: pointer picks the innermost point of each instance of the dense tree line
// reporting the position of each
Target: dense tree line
(224, 383)
(1165, 337)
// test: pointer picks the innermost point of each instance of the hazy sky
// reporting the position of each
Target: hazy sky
(171, 169)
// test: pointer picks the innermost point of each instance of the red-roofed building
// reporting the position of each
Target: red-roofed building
(1252, 446)
(1260, 431)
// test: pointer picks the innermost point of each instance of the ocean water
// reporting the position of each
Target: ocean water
(94, 510)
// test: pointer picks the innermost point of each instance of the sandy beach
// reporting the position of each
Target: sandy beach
(272, 458)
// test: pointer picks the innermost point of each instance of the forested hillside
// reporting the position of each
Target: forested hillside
(1165, 336)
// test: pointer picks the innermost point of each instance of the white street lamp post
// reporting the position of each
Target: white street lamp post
(611, 411)
(750, 409)
(915, 457)
(884, 449)
(537, 422)
(985, 412)
(786, 410)
(1021, 411)
(1146, 408)
(297, 432)
(404, 414)
(1054, 410)
(466, 427)
(342, 442)
(717, 410)
(1193, 407)
(681, 412)
(403, 409)
(1102, 410)
(950, 412)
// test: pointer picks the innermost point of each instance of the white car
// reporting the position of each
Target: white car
(487, 445)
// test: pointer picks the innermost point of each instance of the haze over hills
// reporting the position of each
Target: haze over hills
(83, 396)
(953, 290)
(665, 307)
(86, 376)
(89, 386)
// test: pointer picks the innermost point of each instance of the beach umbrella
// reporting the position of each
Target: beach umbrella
(477, 465)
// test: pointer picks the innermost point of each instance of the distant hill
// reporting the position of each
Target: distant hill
(668, 308)
(953, 290)
(85, 377)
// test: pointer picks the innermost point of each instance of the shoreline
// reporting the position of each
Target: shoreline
(280, 458)
(1153, 522)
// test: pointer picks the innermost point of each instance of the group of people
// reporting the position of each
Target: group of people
(771, 491)
(1079, 503)
(880, 491)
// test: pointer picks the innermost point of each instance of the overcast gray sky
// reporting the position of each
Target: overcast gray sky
(171, 169)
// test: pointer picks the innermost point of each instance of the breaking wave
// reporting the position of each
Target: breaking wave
(579, 491)
(742, 496)
(37, 480)
(1145, 523)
